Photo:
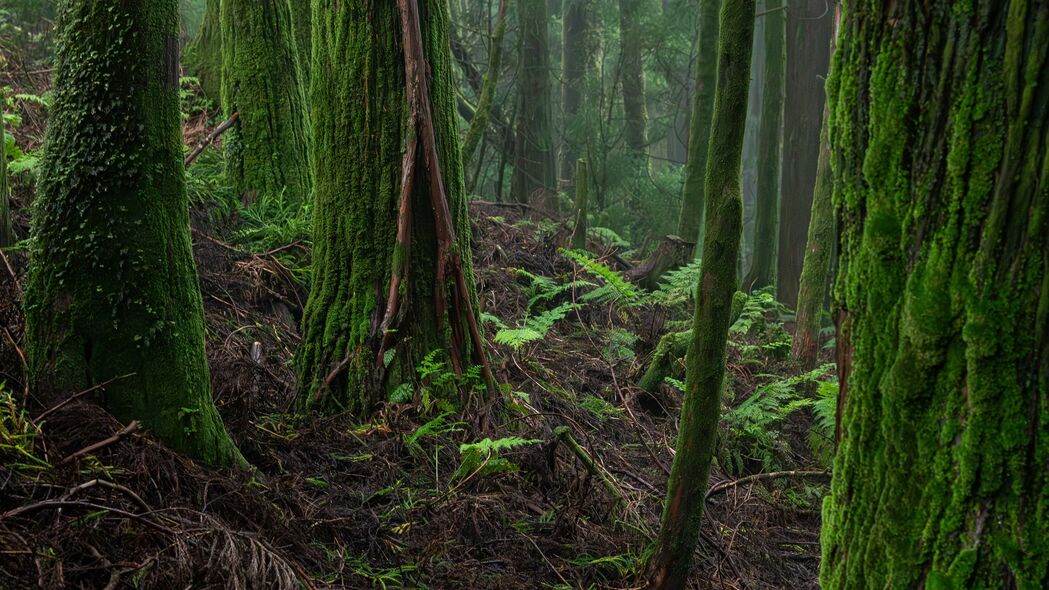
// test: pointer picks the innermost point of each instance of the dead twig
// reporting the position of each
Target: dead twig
(75, 396)
(210, 139)
(763, 477)
(132, 427)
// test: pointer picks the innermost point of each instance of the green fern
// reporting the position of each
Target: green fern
(533, 328)
(616, 288)
(483, 457)
(678, 286)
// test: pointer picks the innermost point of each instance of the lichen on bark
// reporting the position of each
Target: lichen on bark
(940, 149)
(112, 292)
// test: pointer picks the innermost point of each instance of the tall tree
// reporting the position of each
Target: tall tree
(939, 133)
(204, 54)
(535, 168)
(392, 274)
(302, 22)
(690, 221)
(809, 24)
(705, 360)
(262, 82)
(635, 107)
(578, 49)
(7, 233)
(479, 123)
(770, 142)
(112, 294)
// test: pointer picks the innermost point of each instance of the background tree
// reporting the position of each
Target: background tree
(262, 82)
(690, 221)
(535, 167)
(483, 114)
(112, 291)
(204, 54)
(939, 133)
(705, 361)
(809, 24)
(577, 63)
(635, 110)
(770, 142)
(391, 234)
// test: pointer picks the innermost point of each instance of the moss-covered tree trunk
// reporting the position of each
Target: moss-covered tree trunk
(770, 141)
(578, 54)
(302, 22)
(383, 296)
(204, 54)
(809, 24)
(112, 291)
(479, 123)
(268, 149)
(812, 289)
(690, 221)
(635, 107)
(535, 168)
(705, 361)
(939, 132)
(7, 232)
(582, 205)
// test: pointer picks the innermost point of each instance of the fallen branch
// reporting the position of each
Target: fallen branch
(132, 427)
(210, 139)
(58, 504)
(564, 434)
(75, 396)
(721, 487)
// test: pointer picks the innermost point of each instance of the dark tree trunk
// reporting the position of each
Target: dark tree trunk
(635, 109)
(112, 291)
(578, 55)
(705, 362)
(479, 122)
(939, 133)
(809, 24)
(535, 169)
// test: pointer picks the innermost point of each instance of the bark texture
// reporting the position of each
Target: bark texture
(578, 60)
(204, 53)
(582, 205)
(363, 241)
(535, 169)
(940, 146)
(112, 292)
(809, 25)
(690, 222)
(268, 149)
(705, 361)
(770, 141)
(635, 107)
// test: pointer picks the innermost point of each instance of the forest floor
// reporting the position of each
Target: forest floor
(335, 504)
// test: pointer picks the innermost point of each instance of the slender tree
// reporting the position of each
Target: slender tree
(809, 24)
(690, 221)
(392, 275)
(635, 109)
(939, 134)
(770, 142)
(483, 114)
(582, 205)
(7, 232)
(535, 167)
(112, 294)
(204, 54)
(262, 82)
(705, 361)
(579, 51)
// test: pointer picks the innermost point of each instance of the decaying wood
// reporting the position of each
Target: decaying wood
(210, 139)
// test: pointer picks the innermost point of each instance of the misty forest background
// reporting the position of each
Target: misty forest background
(524, 294)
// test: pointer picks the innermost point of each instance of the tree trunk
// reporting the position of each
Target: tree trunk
(635, 109)
(112, 291)
(705, 372)
(690, 222)
(390, 233)
(939, 133)
(809, 24)
(578, 54)
(7, 231)
(535, 168)
(302, 23)
(813, 285)
(479, 123)
(770, 141)
(204, 54)
(261, 81)
(582, 205)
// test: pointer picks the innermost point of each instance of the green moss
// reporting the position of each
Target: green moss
(112, 290)
(204, 54)
(360, 110)
(940, 476)
(483, 114)
(262, 83)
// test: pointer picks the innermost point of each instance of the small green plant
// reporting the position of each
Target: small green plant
(615, 288)
(619, 345)
(438, 426)
(18, 436)
(600, 408)
(484, 458)
(678, 287)
(531, 328)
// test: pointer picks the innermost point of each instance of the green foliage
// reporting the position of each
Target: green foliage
(678, 287)
(483, 458)
(600, 408)
(438, 426)
(619, 345)
(754, 425)
(615, 288)
(531, 328)
(18, 436)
